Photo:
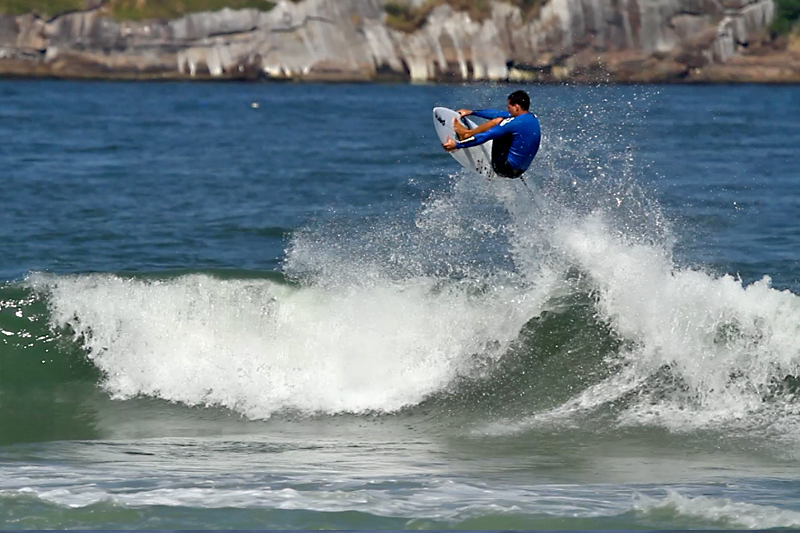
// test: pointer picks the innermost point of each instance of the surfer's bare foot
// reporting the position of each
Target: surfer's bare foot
(460, 129)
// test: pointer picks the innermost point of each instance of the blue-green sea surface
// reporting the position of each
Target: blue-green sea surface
(266, 306)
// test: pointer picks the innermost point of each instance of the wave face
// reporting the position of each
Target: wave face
(577, 316)
(521, 303)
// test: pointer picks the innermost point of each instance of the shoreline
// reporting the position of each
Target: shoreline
(778, 69)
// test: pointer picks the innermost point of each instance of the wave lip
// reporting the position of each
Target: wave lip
(697, 348)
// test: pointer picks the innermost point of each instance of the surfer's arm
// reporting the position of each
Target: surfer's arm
(469, 142)
(493, 117)
(494, 131)
(491, 113)
(463, 132)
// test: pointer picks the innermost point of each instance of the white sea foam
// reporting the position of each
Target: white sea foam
(432, 499)
(369, 329)
(723, 511)
(702, 348)
(438, 499)
(258, 346)
(699, 349)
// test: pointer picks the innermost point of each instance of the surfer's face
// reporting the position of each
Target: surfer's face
(513, 109)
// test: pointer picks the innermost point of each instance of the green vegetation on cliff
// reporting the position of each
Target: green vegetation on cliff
(130, 9)
(40, 7)
(401, 16)
(787, 16)
(155, 9)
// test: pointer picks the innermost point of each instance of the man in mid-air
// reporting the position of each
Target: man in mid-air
(516, 135)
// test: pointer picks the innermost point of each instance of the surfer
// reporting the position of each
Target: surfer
(515, 132)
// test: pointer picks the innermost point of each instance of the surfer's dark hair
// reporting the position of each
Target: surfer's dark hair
(521, 99)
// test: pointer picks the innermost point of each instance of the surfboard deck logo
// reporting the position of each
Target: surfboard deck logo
(477, 158)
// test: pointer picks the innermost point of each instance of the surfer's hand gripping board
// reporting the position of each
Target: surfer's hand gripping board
(477, 158)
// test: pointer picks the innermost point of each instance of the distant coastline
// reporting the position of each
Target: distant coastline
(356, 41)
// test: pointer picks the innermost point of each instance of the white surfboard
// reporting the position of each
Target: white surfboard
(477, 158)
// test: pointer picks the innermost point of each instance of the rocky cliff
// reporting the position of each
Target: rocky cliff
(577, 40)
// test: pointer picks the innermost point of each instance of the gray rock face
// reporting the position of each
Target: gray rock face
(349, 40)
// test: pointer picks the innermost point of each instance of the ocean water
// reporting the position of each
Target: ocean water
(265, 306)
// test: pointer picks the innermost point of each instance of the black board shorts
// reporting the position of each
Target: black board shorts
(500, 164)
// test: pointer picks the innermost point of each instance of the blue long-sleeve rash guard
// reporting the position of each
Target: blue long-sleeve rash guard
(524, 130)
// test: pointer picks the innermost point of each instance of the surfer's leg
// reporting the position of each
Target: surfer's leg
(500, 148)
(500, 164)
(463, 132)
(503, 168)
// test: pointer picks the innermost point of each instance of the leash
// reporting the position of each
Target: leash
(527, 186)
